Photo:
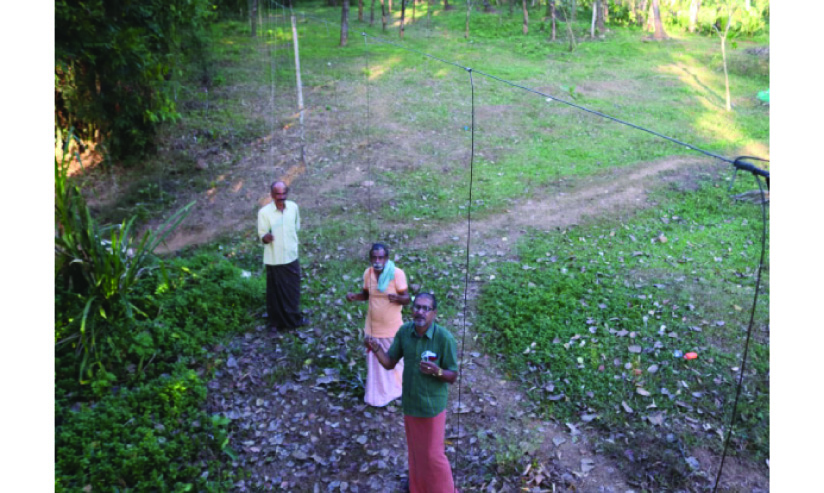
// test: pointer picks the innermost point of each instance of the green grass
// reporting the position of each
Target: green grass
(567, 315)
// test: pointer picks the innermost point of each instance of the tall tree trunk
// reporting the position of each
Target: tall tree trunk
(568, 24)
(659, 26)
(390, 6)
(724, 53)
(600, 21)
(372, 14)
(468, 10)
(550, 12)
(383, 15)
(594, 15)
(695, 5)
(253, 11)
(344, 23)
(403, 15)
(360, 10)
(526, 17)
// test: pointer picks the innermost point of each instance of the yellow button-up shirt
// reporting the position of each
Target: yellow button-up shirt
(284, 226)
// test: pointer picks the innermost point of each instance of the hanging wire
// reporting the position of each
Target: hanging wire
(466, 272)
(752, 319)
(272, 53)
(368, 119)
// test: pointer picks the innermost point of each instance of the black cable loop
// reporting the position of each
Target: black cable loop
(749, 332)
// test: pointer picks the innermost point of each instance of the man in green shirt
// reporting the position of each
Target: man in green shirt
(425, 392)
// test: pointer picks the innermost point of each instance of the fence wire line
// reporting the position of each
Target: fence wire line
(749, 332)
(466, 271)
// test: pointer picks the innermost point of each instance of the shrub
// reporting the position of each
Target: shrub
(144, 439)
(97, 267)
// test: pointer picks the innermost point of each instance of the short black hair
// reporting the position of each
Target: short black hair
(379, 246)
(272, 186)
(431, 296)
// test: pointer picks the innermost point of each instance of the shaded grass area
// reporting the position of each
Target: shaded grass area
(590, 319)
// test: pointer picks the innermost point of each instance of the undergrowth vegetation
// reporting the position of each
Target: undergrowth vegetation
(142, 408)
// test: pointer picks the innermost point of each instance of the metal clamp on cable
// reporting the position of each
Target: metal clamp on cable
(742, 165)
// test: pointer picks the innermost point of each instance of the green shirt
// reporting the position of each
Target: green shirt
(424, 396)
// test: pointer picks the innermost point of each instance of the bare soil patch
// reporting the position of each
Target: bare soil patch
(614, 193)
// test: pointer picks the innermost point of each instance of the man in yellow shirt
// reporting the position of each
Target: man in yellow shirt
(278, 225)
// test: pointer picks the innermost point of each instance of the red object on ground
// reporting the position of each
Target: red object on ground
(690, 355)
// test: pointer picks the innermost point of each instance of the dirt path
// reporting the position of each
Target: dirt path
(615, 194)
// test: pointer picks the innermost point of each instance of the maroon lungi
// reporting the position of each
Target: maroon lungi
(429, 470)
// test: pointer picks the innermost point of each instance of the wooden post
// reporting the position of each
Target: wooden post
(299, 88)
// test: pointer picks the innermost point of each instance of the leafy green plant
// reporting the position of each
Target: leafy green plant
(99, 265)
(148, 438)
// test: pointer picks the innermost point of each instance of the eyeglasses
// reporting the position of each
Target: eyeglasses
(422, 308)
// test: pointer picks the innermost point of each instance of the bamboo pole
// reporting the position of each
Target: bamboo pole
(299, 89)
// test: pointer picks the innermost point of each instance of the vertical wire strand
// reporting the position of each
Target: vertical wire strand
(466, 273)
(749, 333)
(368, 132)
(272, 53)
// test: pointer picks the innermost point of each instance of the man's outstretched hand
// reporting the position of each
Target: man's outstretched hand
(371, 344)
